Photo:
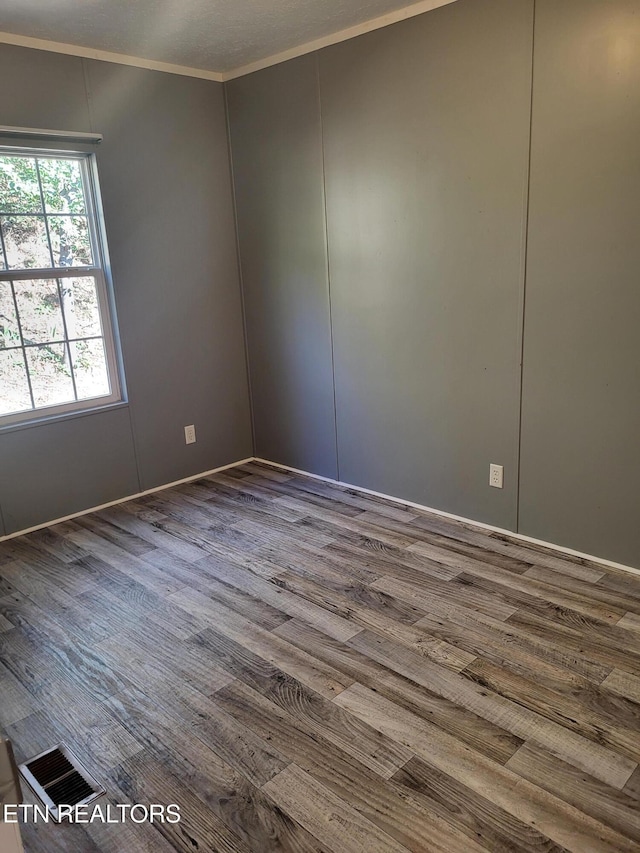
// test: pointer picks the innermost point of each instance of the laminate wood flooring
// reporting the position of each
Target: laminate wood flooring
(303, 667)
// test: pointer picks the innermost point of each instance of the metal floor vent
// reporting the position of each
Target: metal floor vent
(58, 778)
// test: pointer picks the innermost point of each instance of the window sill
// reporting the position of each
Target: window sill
(62, 416)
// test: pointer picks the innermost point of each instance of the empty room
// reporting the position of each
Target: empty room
(319, 426)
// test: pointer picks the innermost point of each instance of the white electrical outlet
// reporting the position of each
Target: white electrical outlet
(496, 476)
(190, 434)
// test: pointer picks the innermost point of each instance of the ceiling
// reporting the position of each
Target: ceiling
(211, 35)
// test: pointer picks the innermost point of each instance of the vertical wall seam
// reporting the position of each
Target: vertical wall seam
(120, 354)
(239, 265)
(3, 526)
(525, 259)
(134, 445)
(87, 92)
(328, 264)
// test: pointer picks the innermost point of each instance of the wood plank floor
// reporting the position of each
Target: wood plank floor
(306, 668)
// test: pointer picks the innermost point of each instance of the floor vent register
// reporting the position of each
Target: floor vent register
(57, 778)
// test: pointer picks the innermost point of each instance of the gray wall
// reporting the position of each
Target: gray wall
(420, 133)
(424, 127)
(581, 401)
(166, 188)
(277, 161)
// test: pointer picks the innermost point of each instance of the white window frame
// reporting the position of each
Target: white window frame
(99, 271)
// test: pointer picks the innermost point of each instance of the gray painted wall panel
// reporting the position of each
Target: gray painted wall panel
(425, 149)
(581, 409)
(166, 188)
(42, 89)
(66, 466)
(277, 155)
(426, 127)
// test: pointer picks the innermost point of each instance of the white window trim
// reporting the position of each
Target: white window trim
(99, 271)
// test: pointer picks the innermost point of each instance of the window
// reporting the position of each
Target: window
(56, 342)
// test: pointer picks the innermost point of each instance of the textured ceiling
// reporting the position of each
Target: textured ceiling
(215, 35)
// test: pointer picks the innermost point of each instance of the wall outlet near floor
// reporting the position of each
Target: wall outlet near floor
(190, 434)
(496, 476)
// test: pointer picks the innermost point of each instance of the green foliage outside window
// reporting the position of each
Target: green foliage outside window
(51, 337)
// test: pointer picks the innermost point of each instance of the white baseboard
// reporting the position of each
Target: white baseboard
(125, 499)
(608, 564)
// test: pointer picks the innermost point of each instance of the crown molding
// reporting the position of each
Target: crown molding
(335, 38)
(222, 76)
(108, 56)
